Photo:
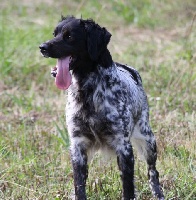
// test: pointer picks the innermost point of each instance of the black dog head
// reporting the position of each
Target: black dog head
(83, 40)
(68, 39)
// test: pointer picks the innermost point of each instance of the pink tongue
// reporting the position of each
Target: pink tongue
(63, 78)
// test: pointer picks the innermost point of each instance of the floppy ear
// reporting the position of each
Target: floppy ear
(97, 38)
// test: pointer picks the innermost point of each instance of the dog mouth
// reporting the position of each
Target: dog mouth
(44, 53)
(62, 73)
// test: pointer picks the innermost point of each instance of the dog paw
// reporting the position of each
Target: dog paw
(53, 72)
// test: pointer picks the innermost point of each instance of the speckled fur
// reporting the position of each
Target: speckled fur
(106, 107)
(113, 112)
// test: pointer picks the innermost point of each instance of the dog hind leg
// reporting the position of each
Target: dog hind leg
(144, 141)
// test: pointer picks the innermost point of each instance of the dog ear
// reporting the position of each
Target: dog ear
(97, 38)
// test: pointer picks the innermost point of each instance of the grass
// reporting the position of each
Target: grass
(156, 37)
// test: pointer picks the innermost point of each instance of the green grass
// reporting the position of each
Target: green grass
(156, 37)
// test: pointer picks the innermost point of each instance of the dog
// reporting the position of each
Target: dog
(106, 104)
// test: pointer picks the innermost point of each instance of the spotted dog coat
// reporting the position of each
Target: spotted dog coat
(106, 105)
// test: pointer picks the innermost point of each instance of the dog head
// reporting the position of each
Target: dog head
(77, 44)
(76, 38)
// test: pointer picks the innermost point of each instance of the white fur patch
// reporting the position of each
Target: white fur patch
(139, 141)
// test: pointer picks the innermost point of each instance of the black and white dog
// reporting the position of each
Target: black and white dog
(106, 106)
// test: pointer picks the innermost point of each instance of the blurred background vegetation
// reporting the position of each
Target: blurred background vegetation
(158, 38)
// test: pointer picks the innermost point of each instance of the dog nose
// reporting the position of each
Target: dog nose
(44, 46)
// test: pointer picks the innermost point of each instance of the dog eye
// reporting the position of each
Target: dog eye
(67, 35)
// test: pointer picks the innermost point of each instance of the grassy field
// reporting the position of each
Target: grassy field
(157, 37)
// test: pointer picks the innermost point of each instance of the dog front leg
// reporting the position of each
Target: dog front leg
(80, 170)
